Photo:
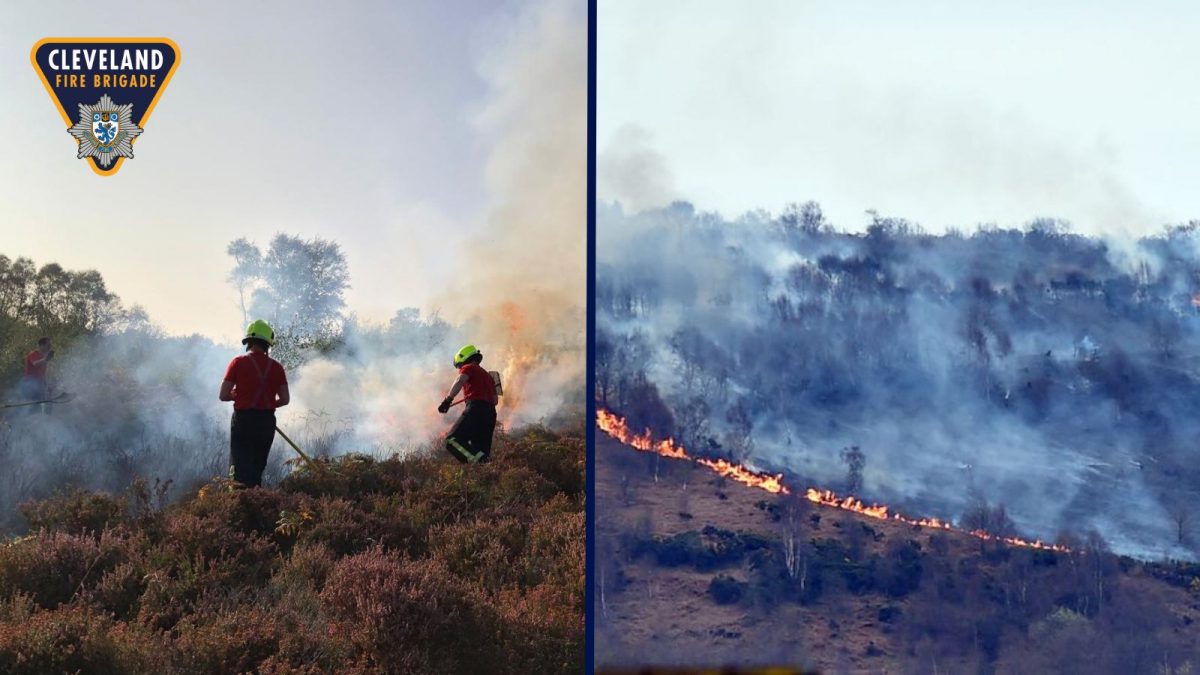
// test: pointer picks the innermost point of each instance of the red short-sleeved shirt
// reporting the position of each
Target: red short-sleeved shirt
(479, 385)
(33, 370)
(257, 379)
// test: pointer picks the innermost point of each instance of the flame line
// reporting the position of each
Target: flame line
(615, 426)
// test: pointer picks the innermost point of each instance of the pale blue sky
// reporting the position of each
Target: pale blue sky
(352, 121)
(946, 112)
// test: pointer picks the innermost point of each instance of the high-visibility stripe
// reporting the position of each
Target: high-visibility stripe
(471, 456)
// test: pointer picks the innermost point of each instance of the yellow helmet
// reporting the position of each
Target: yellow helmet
(465, 353)
(261, 330)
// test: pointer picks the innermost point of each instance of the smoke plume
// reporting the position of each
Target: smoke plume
(519, 282)
(1034, 368)
(146, 404)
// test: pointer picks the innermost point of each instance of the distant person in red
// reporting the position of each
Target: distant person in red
(34, 384)
(257, 385)
(470, 439)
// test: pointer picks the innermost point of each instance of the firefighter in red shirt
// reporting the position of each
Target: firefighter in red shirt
(470, 439)
(34, 385)
(257, 385)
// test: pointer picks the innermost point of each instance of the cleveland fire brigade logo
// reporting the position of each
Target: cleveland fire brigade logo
(105, 90)
(105, 131)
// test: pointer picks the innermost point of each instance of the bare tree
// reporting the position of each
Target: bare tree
(855, 462)
(1179, 516)
(739, 438)
(628, 491)
(795, 558)
(605, 569)
(684, 502)
(1093, 565)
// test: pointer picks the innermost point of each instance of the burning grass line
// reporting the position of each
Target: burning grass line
(615, 426)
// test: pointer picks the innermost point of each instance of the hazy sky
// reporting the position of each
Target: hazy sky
(947, 112)
(355, 121)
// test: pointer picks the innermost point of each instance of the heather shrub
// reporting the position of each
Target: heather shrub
(74, 512)
(53, 567)
(183, 581)
(448, 495)
(900, 570)
(481, 551)
(119, 591)
(391, 526)
(704, 549)
(339, 524)
(556, 552)
(410, 616)
(541, 631)
(307, 565)
(518, 487)
(72, 639)
(246, 511)
(234, 641)
(557, 459)
(209, 539)
(415, 565)
(350, 476)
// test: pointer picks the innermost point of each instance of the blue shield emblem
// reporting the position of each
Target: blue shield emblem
(105, 127)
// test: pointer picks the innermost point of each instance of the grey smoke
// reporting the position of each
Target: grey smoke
(1032, 367)
(630, 171)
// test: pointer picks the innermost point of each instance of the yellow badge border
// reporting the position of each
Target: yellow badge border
(62, 111)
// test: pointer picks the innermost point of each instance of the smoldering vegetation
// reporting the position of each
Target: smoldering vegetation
(384, 555)
(1051, 372)
(145, 403)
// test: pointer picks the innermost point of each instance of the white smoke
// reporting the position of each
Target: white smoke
(520, 282)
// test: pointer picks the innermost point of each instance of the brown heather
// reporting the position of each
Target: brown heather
(418, 566)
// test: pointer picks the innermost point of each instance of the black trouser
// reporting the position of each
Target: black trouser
(34, 389)
(470, 439)
(251, 433)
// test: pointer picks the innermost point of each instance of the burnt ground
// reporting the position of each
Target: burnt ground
(892, 598)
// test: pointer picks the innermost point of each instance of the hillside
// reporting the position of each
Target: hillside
(418, 565)
(691, 572)
(1051, 371)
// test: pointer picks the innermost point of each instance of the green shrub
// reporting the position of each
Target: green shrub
(725, 590)
(900, 571)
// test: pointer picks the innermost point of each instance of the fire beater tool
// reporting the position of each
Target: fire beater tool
(311, 464)
(63, 397)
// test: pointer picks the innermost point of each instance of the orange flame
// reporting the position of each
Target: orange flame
(614, 425)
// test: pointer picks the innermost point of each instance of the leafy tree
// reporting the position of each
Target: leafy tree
(298, 285)
(62, 304)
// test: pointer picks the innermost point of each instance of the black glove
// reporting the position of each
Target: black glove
(445, 406)
(50, 354)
